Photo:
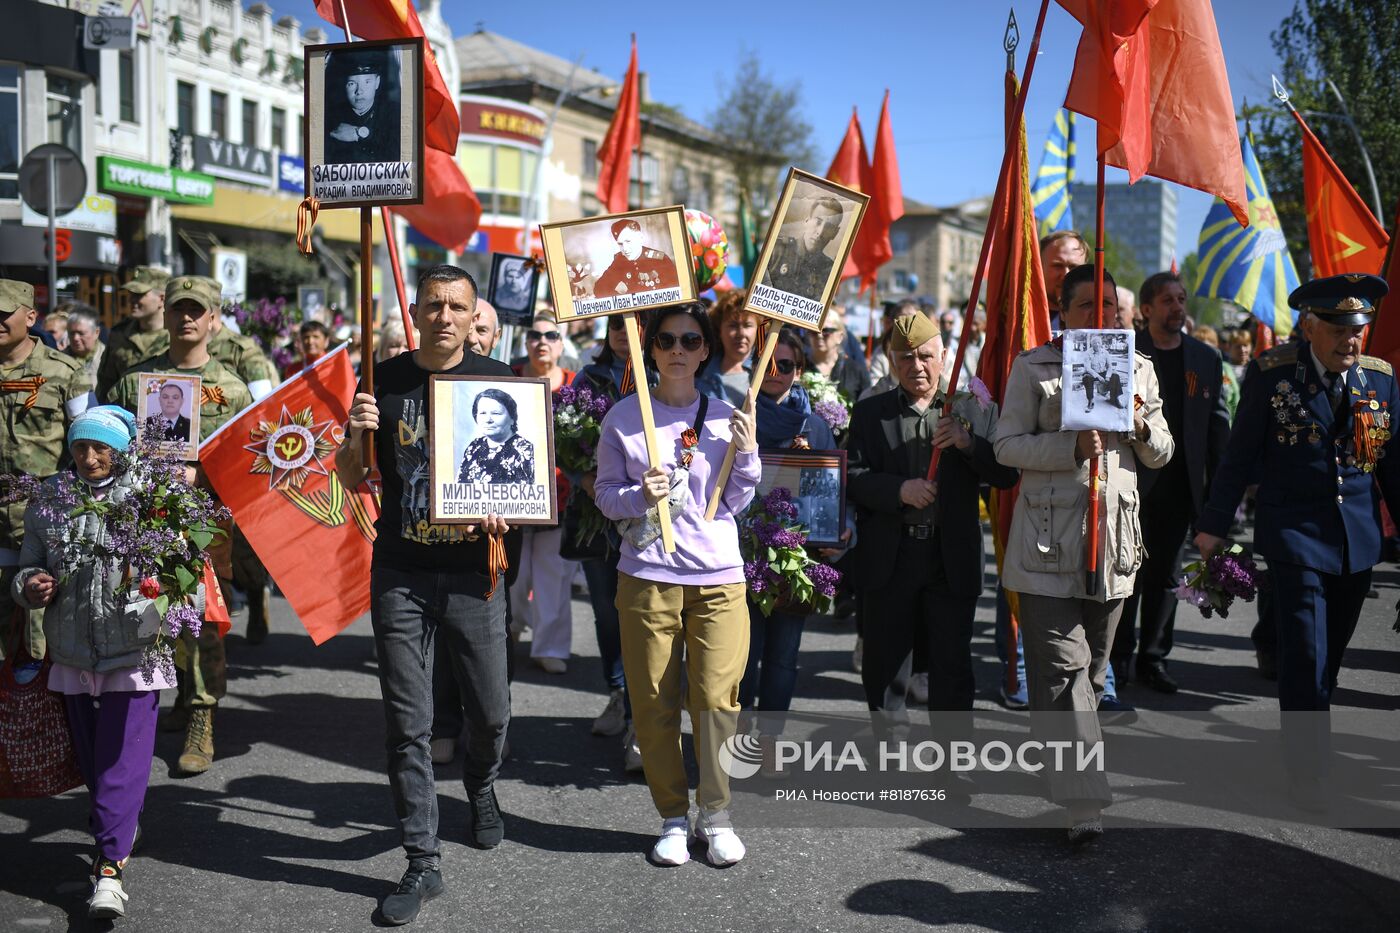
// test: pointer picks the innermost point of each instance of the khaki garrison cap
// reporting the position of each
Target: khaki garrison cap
(911, 332)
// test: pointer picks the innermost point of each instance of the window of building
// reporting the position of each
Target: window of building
(590, 158)
(184, 108)
(731, 196)
(218, 114)
(250, 123)
(899, 242)
(904, 281)
(680, 184)
(501, 176)
(9, 132)
(646, 173)
(704, 192)
(65, 112)
(279, 128)
(126, 86)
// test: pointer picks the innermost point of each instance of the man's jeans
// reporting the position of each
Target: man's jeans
(409, 610)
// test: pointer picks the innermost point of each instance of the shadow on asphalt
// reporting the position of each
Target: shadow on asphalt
(1135, 879)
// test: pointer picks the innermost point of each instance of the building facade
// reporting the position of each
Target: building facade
(935, 253)
(1140, 217)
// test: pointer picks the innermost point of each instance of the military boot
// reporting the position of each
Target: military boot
(199, 742)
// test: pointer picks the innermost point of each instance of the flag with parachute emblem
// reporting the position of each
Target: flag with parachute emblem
(1250, 265)
(1050, 192)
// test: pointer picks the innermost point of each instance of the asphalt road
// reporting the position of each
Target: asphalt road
(293, 828)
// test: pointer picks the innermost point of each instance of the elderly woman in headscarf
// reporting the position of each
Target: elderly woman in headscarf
(98, 631)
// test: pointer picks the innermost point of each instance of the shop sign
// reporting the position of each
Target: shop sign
(123, 176)
(97, 214)
(234, 161)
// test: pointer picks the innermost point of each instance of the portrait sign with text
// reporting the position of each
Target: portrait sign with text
(168, 407)
(490, 450)
(799, 269)
(364, 123)
(619, 262)
(513, 285)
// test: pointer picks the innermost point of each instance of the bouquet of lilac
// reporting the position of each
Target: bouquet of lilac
(777, 567)
(578, 421)
(271, 324)
(158, 536)
(1213, 585)
(828, 403)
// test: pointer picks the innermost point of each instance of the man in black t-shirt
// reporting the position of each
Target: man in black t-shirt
(1189, 373)
(431, 581)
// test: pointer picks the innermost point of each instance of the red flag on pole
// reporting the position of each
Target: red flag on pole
(872, 247)
(624, 138)
(397, 19)
(1343, 234)
(1384, 339)
(1111, 81)
(273, 466)
(851, 168)
(450, 212)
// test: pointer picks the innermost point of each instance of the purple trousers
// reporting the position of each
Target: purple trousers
(114, 736)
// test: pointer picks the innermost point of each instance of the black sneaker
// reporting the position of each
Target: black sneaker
(421, 883)
(487, 828)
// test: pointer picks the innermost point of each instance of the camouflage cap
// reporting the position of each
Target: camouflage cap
(15, 295)
(196, 288)
(145, 278)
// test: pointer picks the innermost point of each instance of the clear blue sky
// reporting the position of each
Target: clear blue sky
(941, 59)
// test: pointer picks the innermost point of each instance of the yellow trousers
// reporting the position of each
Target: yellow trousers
(710, 625)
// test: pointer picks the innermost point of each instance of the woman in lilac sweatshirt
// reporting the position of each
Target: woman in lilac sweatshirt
(689, 603)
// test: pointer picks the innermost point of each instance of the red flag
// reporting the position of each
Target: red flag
(1188, 125)
(450, 212)
(215, 609)
(397, 19)
(624, 138)
(1343, 234)
(851, 168)
(1384, 340)
(872, 247)
(273, 466)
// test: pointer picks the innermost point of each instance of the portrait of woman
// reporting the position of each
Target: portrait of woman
(498, 454)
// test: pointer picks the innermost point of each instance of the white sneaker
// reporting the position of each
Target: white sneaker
(673, 847)
(613, 719)
(918, 689)
(442, 751)
(858, 655)
(631, 752)
(108, 899)
(714, 830)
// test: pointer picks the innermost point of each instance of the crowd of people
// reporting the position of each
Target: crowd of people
(680, 628)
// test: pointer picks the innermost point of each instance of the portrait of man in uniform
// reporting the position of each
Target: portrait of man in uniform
(169, 409)
(636, 267)
(362, 106)
(600, 265)
(802, 261)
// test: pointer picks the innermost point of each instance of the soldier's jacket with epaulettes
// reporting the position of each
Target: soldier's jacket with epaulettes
(43, 396)
(224, 395)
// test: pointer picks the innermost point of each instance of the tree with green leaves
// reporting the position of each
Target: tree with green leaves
(760, 123)
(1355, 43)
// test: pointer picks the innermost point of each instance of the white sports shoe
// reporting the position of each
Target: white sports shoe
(673, 847)
(108, 899)
(631, 752)
(714, 830)
(613, 719)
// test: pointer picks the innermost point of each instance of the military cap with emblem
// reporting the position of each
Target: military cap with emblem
(358, 62)
(911, 332)
(196, 288)
(145, 278)
(1348, 299)
(625, 224)
(15, 295)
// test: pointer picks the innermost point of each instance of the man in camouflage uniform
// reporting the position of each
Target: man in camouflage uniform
(800, 264)
(41, 391)
(130, 341)
(190, 307)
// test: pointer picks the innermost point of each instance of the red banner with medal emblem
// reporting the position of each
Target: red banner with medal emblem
(274, 467)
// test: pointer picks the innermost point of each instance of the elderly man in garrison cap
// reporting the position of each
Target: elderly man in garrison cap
(41, 391)
(635, 268)
(362, 116)
(920, 542)
(1315, 430)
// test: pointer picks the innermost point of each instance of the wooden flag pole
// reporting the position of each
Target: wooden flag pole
(639, 375)
(759, 370)
(1091, 542)
(367, 318)
(870, 329)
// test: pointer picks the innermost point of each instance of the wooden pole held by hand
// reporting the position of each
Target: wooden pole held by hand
(634, 351)
(760, 368)
(1091, 529)
(367, 319)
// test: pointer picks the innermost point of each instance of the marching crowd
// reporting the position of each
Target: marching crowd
(679, 629)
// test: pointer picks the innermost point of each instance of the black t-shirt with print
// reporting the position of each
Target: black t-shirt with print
(405, 540)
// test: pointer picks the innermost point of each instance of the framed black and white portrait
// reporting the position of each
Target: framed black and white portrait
(513, 285)
(799, 268)
(491, 450)
(1097, 380)
(167, 407)
(817, 481)
(619, 262)
(311, 299)
(364, 123)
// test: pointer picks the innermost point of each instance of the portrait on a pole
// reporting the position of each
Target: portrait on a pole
(491, 450)
(364, 123)
(168, 409)
(1098, 380)
(813, 230)
(619, 262)
(513, 285)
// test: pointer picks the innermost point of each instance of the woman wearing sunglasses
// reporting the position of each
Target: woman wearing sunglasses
(543, 572)
(688, 604)
(829, 357)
